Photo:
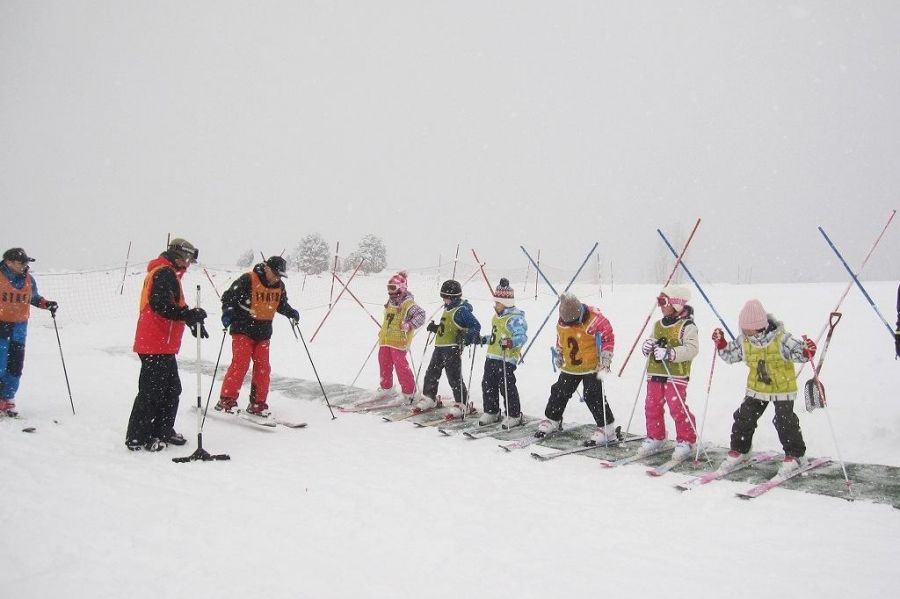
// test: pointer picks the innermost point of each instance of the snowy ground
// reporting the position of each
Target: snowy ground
(355, 507)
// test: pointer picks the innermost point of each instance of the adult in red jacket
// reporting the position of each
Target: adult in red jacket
(161, 321)
(248, 307)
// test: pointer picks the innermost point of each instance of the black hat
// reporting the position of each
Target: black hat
(451, 289)
(278, 264)
(16, 255)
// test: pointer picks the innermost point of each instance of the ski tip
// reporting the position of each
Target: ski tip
(538, 456)
(29, 429)
(604, 464)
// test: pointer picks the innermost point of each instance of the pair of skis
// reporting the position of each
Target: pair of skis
(269, 422)
(586, 446)
(761, 488)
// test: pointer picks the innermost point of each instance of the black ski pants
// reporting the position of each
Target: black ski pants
(156, 405)
(561, 391)
(492, 387)
(445, 358)
(786, 424)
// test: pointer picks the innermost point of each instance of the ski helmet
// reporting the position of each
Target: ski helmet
(451, 289)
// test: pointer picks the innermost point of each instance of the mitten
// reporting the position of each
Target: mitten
(718, 337)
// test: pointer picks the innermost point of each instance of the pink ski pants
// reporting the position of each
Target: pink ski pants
(662, 391)
(390, 359)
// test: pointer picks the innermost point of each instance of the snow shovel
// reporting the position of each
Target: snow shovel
(813, 390)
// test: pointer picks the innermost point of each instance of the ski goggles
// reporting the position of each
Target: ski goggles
(393, 289)
(189, 253)
(664, 300)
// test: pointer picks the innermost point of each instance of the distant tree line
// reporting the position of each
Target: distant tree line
(313, 256)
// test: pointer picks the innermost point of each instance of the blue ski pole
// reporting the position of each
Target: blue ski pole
(546, 280)
(858, 284)
(696, 284)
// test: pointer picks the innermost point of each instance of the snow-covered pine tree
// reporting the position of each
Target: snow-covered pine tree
(312, 255)
(371, 247)
(246, 259)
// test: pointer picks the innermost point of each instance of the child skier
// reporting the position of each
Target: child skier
(769, 351)
(458, 327)
(402, 315)
(508, 335)
(584, 348)
(669, 352)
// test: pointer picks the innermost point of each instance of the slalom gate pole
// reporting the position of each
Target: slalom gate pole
(858, 284)
(484, 274)
(556, 303)
(685, 268)
(455, 260)
(355, 270)
(200, 454)
(837, 306)
(337, 248)
(706, 404)
(313, 364)
(358, 301)
(538, 265)
(209, 278)
(63, 360)
(668, 280)
(213, 382)
(125, 269)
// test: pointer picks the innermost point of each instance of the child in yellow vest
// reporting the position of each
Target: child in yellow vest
(402, 316)
(584, 349)
(770, 352)
(670, 351)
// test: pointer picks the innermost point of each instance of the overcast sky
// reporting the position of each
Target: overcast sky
(489, 124)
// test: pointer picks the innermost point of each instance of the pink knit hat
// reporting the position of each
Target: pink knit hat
(753, 316)
(397, 283)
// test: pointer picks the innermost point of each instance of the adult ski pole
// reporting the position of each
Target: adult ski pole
(215, 371)
(297, 331)
(63, 359)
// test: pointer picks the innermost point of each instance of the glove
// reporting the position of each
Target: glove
(663, 353)
(648, 346)
(227, 317)
(897, 342)
(431, 328)
(203, 333)
(718, 337)
(405, 327)
(52, 306)
(506, 343)
(557, 358)
(194, 316)
(605, 362)
(810, 347)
